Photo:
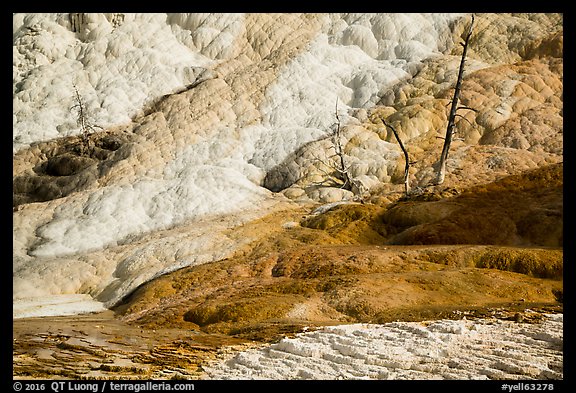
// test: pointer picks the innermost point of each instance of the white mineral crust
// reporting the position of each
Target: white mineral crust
(443, 349)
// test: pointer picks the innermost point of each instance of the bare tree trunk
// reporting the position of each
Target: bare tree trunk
(450, 129)
(406, 158)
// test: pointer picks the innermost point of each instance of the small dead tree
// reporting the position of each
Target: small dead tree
(454, 108)
(406, 159)
(337, 162)
(340, 167)
(83, 121)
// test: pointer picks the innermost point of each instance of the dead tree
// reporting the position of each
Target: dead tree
(83, 121)
(406, 159)
(340, 167)
(454, 108)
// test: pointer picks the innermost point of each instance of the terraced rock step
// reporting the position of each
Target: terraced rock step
(442, 349)
(485, 343)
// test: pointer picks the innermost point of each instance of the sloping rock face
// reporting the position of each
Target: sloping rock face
(497, 244)
(209, 122)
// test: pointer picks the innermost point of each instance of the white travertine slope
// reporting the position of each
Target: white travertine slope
(254, 95)
(443, 349)
(117, 63)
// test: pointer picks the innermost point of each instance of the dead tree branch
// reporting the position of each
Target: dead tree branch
(463, 118)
